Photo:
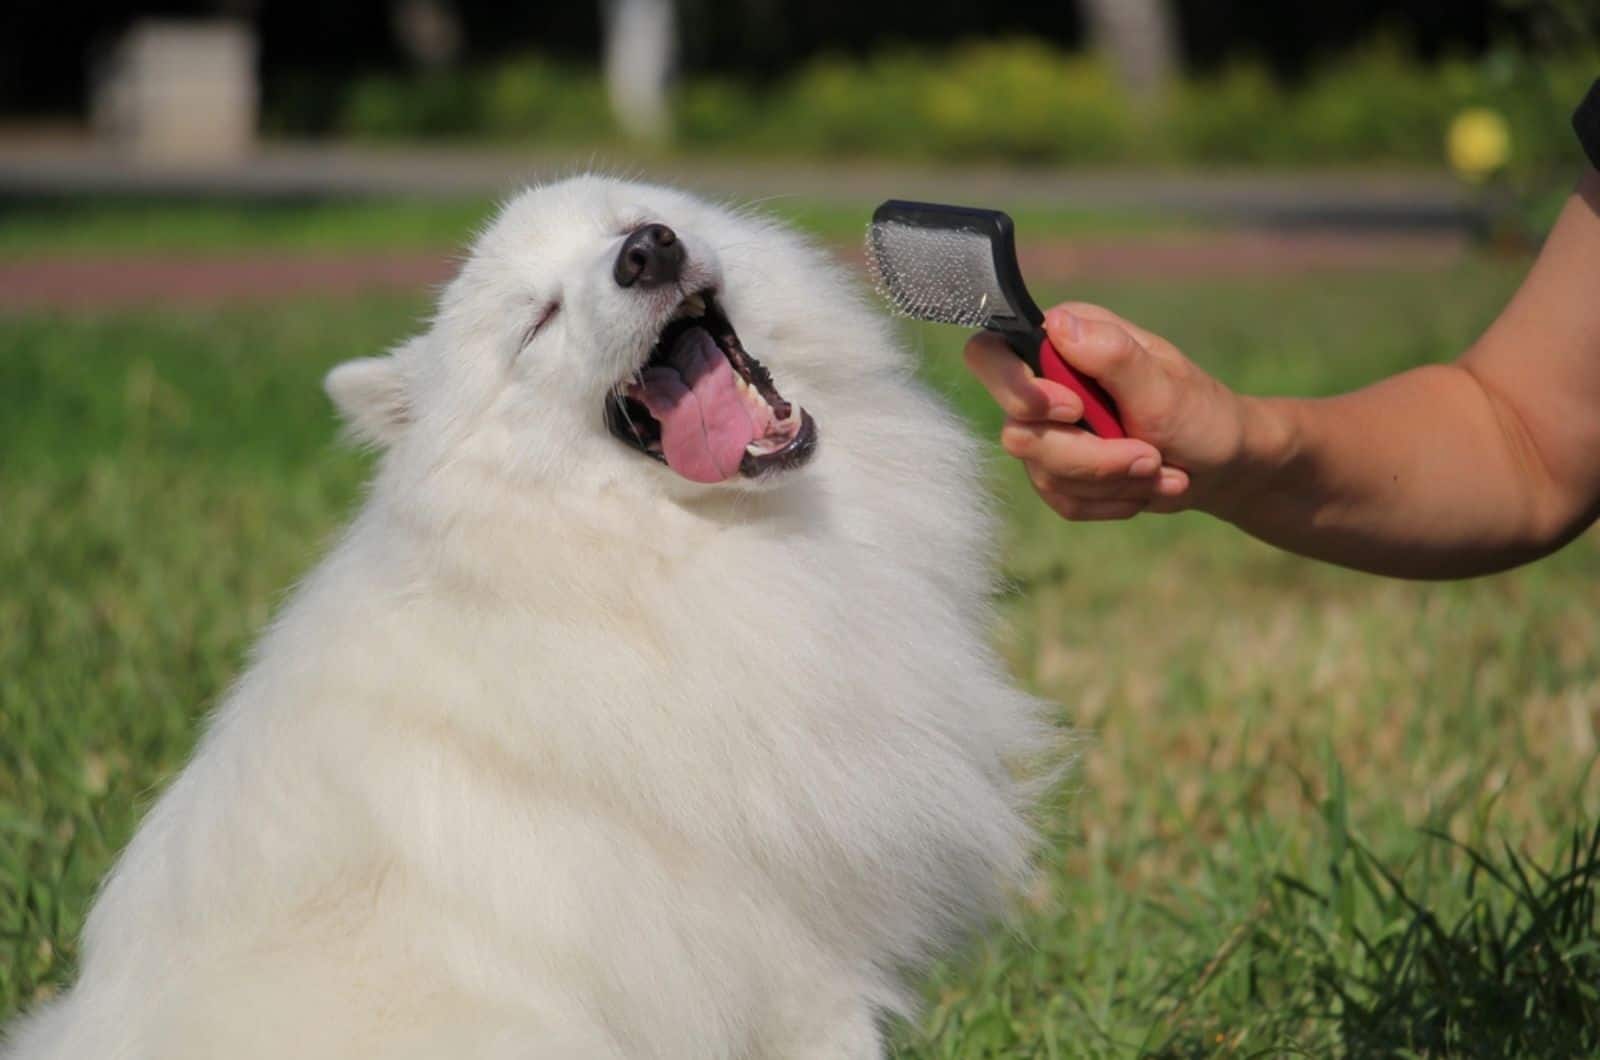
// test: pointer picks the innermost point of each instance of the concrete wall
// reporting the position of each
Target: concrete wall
(178, 92)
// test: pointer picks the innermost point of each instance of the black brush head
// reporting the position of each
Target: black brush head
(950, 265)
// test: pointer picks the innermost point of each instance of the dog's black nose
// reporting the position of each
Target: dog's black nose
(650, 256)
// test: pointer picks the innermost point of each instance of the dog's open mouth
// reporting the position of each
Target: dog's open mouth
(706, 408)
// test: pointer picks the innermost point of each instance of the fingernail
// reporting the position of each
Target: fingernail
(1074, 328)
(1065, 413)
(1145, 465)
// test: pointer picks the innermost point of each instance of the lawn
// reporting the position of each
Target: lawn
(1256, 723)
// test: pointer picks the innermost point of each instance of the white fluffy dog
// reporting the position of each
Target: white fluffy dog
(645, 710)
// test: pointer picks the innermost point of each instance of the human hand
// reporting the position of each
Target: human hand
(1185, 429)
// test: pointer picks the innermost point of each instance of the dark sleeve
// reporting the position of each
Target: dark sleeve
(1586, 121)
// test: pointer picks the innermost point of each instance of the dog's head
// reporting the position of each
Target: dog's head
(608, 330)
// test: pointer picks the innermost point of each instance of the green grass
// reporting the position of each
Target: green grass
(156, 226)
(135, 225)
(1272, 742)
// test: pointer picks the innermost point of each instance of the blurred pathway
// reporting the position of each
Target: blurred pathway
(70, 165)
(170, 280)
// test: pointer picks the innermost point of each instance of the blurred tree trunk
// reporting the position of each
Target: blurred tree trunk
(640, 48)
(1140, 38)
(429, 32)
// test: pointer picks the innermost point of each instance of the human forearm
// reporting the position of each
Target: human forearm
(1427, 474)
(1449, 470)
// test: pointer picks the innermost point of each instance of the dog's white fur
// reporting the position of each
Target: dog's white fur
(558, 755)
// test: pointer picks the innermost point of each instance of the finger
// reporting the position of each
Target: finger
(1013, 385)
(1090, 511)
(1111, 354)
(1076, 455)
(1172, 482)
(1117, 489)
(1006, 378)
(1089, 311)
(1171, 492)
(1169, 485)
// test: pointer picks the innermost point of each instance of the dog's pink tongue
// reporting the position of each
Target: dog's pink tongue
(704, 425)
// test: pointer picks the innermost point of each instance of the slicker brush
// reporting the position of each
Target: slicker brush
(958, 265)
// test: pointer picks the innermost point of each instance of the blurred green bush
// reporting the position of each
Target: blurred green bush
(1013, 100)
(525, 98)
(1016, 100)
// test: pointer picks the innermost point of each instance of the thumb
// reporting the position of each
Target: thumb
(1106, 351)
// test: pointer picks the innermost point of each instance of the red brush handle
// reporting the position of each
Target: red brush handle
(1099, 411)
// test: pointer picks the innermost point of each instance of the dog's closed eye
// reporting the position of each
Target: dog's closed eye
(543, 317)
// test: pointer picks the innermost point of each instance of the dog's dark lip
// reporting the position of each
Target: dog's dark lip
(631, 423)
(791, 456)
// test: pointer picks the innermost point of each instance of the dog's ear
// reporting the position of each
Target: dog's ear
(370, 394)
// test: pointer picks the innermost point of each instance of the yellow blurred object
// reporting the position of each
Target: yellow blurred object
(1479, 142)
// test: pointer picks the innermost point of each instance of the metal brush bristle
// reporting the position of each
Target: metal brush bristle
(945, 275)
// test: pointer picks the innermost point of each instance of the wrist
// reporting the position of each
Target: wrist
(1264, 450)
